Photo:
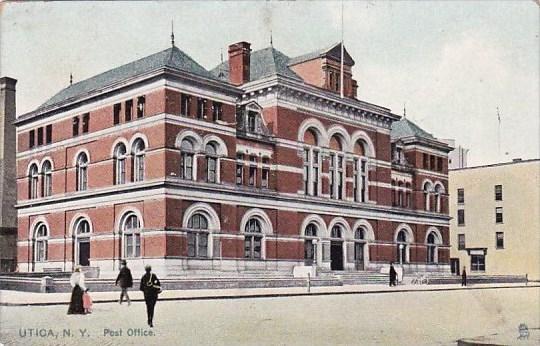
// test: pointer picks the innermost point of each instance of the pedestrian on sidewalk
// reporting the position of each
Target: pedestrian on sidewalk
(125, 280)
(464, 277)
(393, 275)
(151, 287)
(87, 302)
(76, 301)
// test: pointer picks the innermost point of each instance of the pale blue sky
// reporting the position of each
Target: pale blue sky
(452, 62)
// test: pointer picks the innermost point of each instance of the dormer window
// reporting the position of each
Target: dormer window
(252, 121)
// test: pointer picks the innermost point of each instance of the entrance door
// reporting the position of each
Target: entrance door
(454, 265)
(359, 255)
(84, 253)
(336, 255)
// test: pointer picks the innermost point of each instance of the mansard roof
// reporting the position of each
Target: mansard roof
(263, 63)
(333, 51)
(172, 58)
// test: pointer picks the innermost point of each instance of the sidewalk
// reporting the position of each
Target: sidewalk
(14, 298)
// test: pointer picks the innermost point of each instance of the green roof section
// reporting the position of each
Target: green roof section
(263, 63)
(172, 58)
(406, 128)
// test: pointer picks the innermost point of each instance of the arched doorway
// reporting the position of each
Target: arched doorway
(336, 248)
(360, 248)
(82, 242)
(310, 244)
(402, 247)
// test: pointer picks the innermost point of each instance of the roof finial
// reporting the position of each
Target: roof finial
(172, 32)
(70, 78)
(405, 110)
(271, 40)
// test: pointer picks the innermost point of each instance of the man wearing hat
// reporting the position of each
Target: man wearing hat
(151, 287)
(125, 280)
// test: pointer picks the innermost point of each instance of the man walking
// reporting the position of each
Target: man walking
(125, 280)
(464, 277)
(151, 287)
(393, 275)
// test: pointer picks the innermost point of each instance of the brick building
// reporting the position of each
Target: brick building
(258, 164)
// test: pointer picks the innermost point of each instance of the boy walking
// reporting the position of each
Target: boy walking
(125, 280)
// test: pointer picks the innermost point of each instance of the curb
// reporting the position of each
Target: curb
(281, 295)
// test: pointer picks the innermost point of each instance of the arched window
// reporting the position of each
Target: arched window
(138, 160)
(431, 248)
(337, 168)
(41, 237)
(131, 235)
(120, 164)
(402, 247)
(310, 244)
(82, 242)
(187, 159)
(312, 161)
(33, 179)
(197, 236)
(253, 239)
(336, 232)
(46, 185)
(438, 196)
(82, 172)
(427, 192)
(211, 162)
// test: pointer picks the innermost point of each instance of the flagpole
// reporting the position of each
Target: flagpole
(342, 52)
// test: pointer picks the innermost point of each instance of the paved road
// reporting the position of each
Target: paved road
(386, 318)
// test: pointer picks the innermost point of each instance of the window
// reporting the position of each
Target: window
(85, 123)
(120, 164)
(402, 247)
(239, 169)
(40, 136)
(461, 196)
(116, 113)
(82, 172)
(432, 162)
(309, 244)
(197, 237)
(217, 111)
(201, 108)
(439, 164)
(431, 249)
(131, 236)
(186, 159)
(211, 163)
(252, 171)
(48, 134)
(426, 161)
(498, 193)
(438, 198)
(306, 171)
(141, 101)
(252, 121)
(315, 166)
(461, 241)
(340, 177)
(185, 104)
(478, 263)
(33, 179)
(332, 175)
(138, 160)
(336, 232)
(75, 126)
(499, 238)
(40, 243)
(46, 186)
(128, 110)
(461, 217)
(31, 138)
(253, 239)
(499, 215)
(427, 193)
(264, 177)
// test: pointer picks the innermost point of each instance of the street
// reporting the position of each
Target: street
(404, 318)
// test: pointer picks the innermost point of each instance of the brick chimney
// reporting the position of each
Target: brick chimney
(239, 57)
(8, 185)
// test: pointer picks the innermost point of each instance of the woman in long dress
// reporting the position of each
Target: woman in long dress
(76, 302)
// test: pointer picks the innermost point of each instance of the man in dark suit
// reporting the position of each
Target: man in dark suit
(125, 280)
(151, 287)
(393, 275)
